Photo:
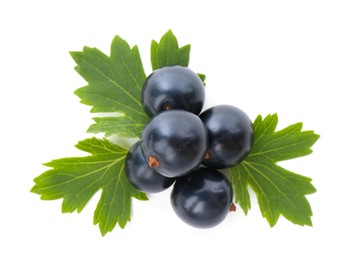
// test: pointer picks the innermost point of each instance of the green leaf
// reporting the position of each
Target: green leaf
(77, 179)
(202, 77)
(167, 53)
(279, 191)
(111, 126)
(114, 85)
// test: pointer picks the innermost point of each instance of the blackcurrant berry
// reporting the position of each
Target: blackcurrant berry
(174, 142)
(141, 175)
(202, 198)
(230, 134)
(173, 87)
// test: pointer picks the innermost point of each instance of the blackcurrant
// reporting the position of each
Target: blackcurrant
(230, 134)
(174, 142)
(173, 87)
(202, 198)
(141, 175)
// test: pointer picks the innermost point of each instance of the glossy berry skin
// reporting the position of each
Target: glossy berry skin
(202, 198)
(173, 87)
(174, 142)
(230, 134)
(141, 175)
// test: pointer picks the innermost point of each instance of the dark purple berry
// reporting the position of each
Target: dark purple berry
(202, 198)
(174, 142)
(173, 87)
(230, 134)
(141, 175)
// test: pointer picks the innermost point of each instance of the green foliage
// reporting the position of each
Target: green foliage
(114, 85)
(114, 90)
(278, 190)
(167, 53)
(77, 179)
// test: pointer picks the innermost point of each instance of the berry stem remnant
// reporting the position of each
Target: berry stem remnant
(153, 162)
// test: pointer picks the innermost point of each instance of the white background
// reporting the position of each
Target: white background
(289, 57)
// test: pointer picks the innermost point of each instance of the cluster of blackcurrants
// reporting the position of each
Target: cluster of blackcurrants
(183, 146)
